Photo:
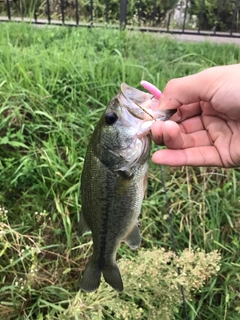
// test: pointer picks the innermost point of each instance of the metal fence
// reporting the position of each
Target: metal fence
(215, 17)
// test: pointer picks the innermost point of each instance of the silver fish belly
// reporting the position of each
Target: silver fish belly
(113, 183)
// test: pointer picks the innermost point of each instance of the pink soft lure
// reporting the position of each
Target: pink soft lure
(151, 88)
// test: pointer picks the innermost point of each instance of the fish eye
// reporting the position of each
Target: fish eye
(111, 118)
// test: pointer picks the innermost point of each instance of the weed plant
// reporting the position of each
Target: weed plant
(54, 85)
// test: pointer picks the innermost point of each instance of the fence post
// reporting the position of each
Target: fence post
(77, 13)
(48, 12)
(123, 13)
(8, 9)
(62, 11)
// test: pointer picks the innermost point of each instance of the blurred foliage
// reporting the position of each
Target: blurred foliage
(138, 12)
(216, 15)
(154, 13)
(204, 14)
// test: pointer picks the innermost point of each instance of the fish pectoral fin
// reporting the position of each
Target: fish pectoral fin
(91, 278)
(83, 227)
(133, 240)
(113, 277)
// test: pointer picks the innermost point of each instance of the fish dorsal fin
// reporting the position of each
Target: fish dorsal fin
(133, 240)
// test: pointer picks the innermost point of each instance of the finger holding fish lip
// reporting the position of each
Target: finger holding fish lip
(142, 104)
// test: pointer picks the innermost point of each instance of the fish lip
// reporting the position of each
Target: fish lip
(123, 88)
(134, 114)
(151, 116)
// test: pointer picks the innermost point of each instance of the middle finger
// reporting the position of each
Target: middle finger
(192, 125)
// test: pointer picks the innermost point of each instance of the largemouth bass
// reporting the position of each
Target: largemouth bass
(114, 180)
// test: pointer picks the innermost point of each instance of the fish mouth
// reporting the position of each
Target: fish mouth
(142, 105)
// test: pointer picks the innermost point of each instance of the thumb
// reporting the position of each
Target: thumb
(181, 91)
(198, 87)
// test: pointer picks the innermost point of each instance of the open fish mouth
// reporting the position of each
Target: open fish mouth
(142, 105)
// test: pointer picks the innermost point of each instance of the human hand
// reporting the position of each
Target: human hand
(205, 131)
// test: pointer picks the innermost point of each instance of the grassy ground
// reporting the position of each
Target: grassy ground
(54, 84)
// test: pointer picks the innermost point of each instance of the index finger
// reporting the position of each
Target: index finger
(196, 156)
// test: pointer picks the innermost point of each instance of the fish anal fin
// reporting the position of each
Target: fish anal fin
(133, 240)
(113, 277)
(82, 227)
(91, 278)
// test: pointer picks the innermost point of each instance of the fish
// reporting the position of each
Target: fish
(114, 181)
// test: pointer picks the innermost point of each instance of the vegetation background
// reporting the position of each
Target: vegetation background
(214, 15)
(54, 85)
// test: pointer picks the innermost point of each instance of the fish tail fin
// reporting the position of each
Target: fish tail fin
(91, 277)
(113, 277)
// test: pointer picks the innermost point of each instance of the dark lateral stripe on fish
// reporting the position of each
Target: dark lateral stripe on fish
(104, 230)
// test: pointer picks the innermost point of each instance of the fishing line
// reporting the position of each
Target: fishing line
(169, 214)
(173, 238)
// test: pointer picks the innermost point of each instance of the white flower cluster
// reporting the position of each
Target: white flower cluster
(41, 216)
(21, 283)
(3, 213)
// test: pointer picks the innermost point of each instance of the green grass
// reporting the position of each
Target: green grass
(54, 85)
